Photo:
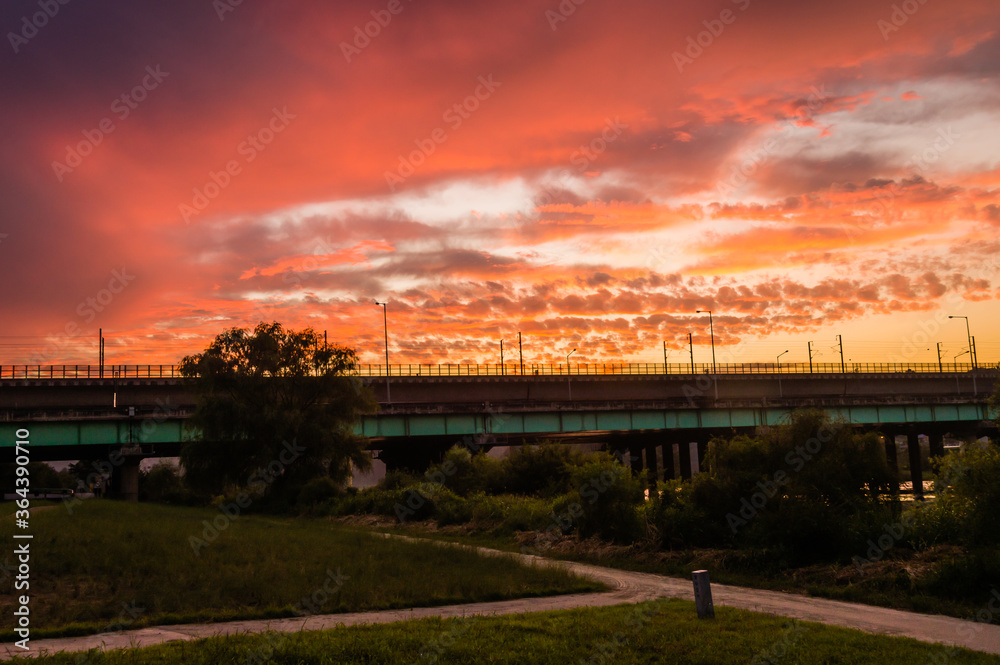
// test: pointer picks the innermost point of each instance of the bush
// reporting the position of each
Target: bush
(317, 491)
(162, 483)
(542, 470)
(968, 491)
(608, 498)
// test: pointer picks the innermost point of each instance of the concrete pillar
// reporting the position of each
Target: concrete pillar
(696, 457)
(651, 466)
(890, 451)
(685, 460)
(668, 461)
(916, 470)
(130, 479)
(635, 459)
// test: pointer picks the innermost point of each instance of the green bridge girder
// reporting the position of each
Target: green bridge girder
(565, 422)
(395, 426)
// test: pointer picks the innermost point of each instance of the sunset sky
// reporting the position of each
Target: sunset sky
(589, 173)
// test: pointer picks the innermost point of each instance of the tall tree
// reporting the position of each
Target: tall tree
(275, 408)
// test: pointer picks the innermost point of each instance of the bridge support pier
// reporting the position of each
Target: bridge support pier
(668, 461)
(125, 479)
(916, 470)
(685, 459)
(652, 471)
(891, 458)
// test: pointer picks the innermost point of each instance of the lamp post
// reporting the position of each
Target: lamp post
(781, 392)
(711, 328)
(385, 325)
(503, 370)
(940, 364)
(810, 347)
(569, 386)
(968, 333)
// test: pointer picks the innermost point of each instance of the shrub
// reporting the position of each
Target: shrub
(968, 491)
(608, 498)
(162, 483)
(317, 491)
(542, 470)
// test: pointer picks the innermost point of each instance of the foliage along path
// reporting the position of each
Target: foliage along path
(626, 587)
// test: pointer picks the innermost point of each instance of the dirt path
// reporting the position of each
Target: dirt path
(626, 587)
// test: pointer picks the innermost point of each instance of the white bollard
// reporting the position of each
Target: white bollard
(703, 595)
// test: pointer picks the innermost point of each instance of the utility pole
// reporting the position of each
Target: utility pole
(691, 345)
(840, 340)
(975, 358)
(968, 333)
(810, 344)
(503, 370)
(520, 350)
(100, 352)
(711, 328)
(388, 371)
(940, 364)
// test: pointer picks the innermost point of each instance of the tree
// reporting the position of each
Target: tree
(275, 408)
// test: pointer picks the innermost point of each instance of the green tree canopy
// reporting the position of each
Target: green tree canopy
(275, 408)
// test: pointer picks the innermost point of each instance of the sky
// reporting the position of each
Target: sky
(587, 173)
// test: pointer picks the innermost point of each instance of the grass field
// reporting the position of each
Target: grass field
(657, 632)
(111, 565)
(888, 583)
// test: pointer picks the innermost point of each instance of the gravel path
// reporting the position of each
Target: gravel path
(626, 587)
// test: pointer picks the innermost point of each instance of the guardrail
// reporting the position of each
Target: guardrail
(510, 369)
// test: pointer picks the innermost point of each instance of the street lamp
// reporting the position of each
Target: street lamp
(778, 359)
(385, 324)
(711, 328)
(569, 386)
(968, 333)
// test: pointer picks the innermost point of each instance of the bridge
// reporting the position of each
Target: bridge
(659, 416)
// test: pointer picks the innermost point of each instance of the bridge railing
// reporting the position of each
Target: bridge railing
(585, 369)
(89, 371)
(507, 369)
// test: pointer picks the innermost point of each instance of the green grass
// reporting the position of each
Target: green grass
(901, 581)
(664, 631)
(90, 567)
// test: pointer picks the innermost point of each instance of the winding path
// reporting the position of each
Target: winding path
(626, 587)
